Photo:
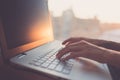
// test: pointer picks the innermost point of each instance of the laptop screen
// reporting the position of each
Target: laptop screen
(24, 22)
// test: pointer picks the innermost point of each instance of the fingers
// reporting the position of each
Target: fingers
(72, 40)
(62, 52)
(79, 49)
(74, 47)
(67, 41)
(66, 50)
(70, 56)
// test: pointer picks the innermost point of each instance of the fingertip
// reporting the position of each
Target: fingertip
(58, 56)
(64, 42)
(64, 59)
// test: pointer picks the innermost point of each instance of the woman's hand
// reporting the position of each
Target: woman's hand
(98, 50)
(102, 43)
(78, 39)
(80, 48)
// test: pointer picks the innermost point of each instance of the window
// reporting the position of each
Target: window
(86, 18)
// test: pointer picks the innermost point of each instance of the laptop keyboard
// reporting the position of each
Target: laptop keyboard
(50, 62)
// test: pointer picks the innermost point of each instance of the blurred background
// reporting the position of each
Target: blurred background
(85, 18)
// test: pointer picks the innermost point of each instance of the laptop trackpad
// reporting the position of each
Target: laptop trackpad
(87, 69)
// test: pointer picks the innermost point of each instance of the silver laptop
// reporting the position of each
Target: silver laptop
(26, 37)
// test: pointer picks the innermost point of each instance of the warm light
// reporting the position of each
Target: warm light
(105, 10)
(40, 30)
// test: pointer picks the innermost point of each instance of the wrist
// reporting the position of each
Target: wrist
(105, 55)
(110, 56)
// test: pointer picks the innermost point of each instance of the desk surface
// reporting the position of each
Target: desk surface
(1, 62)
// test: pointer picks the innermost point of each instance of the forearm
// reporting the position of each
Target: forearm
(104, 55)
(104, 43)
(113, 58)
(110, 45)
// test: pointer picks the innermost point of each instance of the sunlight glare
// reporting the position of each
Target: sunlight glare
(105, 10)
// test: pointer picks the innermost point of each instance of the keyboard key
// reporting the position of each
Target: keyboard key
(51, 59)
(49, 55)
(48, 61)
(59, 67)
(56, 60)
(37, 64)
(35, 60)
(40, 61)
(45, 64)
(52, 66)
(71, 61)
(43, 59)
(66, 71)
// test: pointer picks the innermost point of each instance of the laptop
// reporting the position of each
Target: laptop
(26, 38)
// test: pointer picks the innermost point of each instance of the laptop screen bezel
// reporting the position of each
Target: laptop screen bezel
(9, 53)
